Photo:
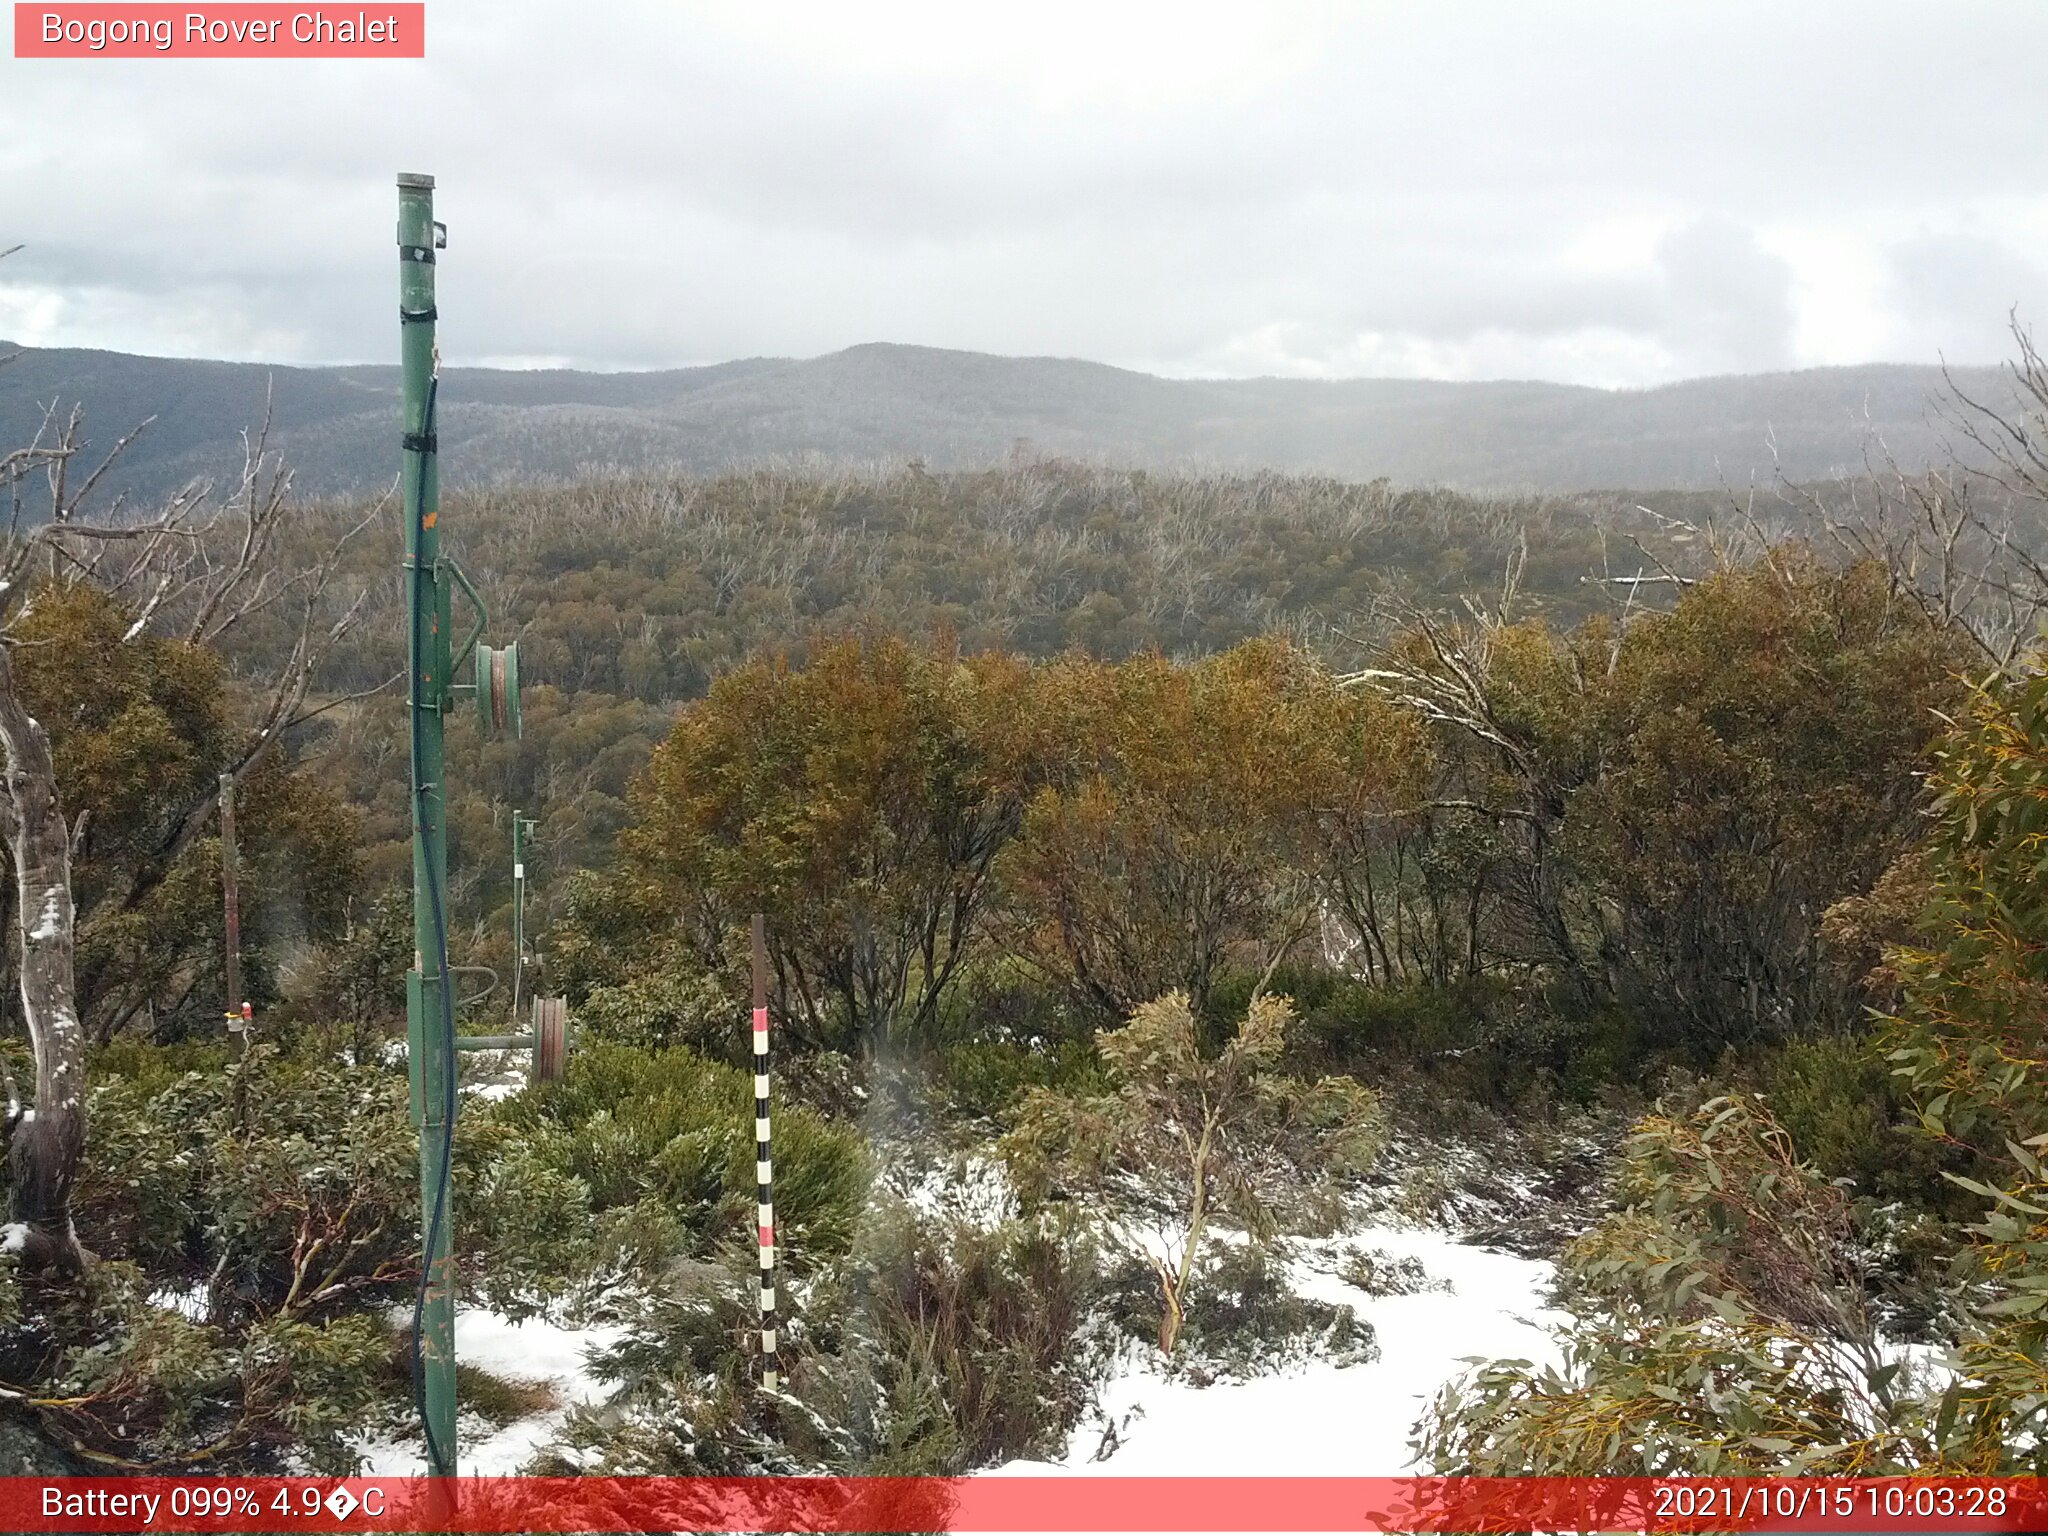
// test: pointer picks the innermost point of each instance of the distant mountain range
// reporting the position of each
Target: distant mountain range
(339, 425)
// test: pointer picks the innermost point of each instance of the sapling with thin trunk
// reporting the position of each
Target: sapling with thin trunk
(1199, 1138)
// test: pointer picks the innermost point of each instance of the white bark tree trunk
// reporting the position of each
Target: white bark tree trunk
(49, 1135)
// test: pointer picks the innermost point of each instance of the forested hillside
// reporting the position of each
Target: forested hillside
(630, 596)
(969, 410)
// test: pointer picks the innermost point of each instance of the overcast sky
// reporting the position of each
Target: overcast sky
(1615, 194)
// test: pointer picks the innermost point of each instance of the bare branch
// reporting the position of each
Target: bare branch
(348, 698)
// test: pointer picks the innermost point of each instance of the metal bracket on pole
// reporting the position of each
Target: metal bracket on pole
(547, 1042)
(476, 631)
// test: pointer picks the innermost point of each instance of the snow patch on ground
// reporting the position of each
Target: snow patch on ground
(532, 1350)
(495, 1074)
(1321, 1418)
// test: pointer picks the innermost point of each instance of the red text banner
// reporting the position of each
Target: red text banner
(1050, 1503)
(233, 31)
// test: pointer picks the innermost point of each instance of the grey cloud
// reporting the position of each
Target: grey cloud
(1960, 289)
(1730, 301)
(645, 184)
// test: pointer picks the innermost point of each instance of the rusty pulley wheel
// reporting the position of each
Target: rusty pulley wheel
(497, 689)
(550, 1038)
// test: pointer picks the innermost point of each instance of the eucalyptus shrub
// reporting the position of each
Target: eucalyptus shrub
(1721, 1326)
(1719, 1329)
(1970, 1042)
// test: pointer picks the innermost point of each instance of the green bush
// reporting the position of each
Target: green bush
(999, 997)
(609, 925)
(1250, 1322)
(1479, 1042)
(667, 1128)
(631, 1122)
(1500, 1041)
(929, 1348)
(822, 1174)
(149, 1067)
(252, 1220)
(144, 1385)
(940, 1347)
(1345, 1022)
(678, 1005)
(287, 1184)
(527, 1227)
(983, 1078)
(1845, 1111)
(499, 1400)
(293, 1186)
(1585, 1053)
(832, 1083)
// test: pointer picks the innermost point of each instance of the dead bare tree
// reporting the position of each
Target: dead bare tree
(1966, 541)
(191, 571)
(1444, 671)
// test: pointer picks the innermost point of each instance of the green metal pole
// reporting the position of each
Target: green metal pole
(428, 1001)
(520, 827)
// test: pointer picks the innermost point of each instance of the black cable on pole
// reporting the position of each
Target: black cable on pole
(436, 1452)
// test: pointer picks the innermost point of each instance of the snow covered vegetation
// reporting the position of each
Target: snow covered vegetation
(1513, 1035)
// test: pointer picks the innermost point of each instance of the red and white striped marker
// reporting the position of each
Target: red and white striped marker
(764, 1165)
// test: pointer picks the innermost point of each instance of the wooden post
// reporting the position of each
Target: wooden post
(231, 903)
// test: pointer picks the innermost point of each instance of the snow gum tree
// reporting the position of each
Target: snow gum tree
(190, 574)
(48, 1134)
(1204, 813)
(861, 802)
(1675, 802)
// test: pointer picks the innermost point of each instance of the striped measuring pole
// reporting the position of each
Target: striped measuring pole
(765, 1165)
